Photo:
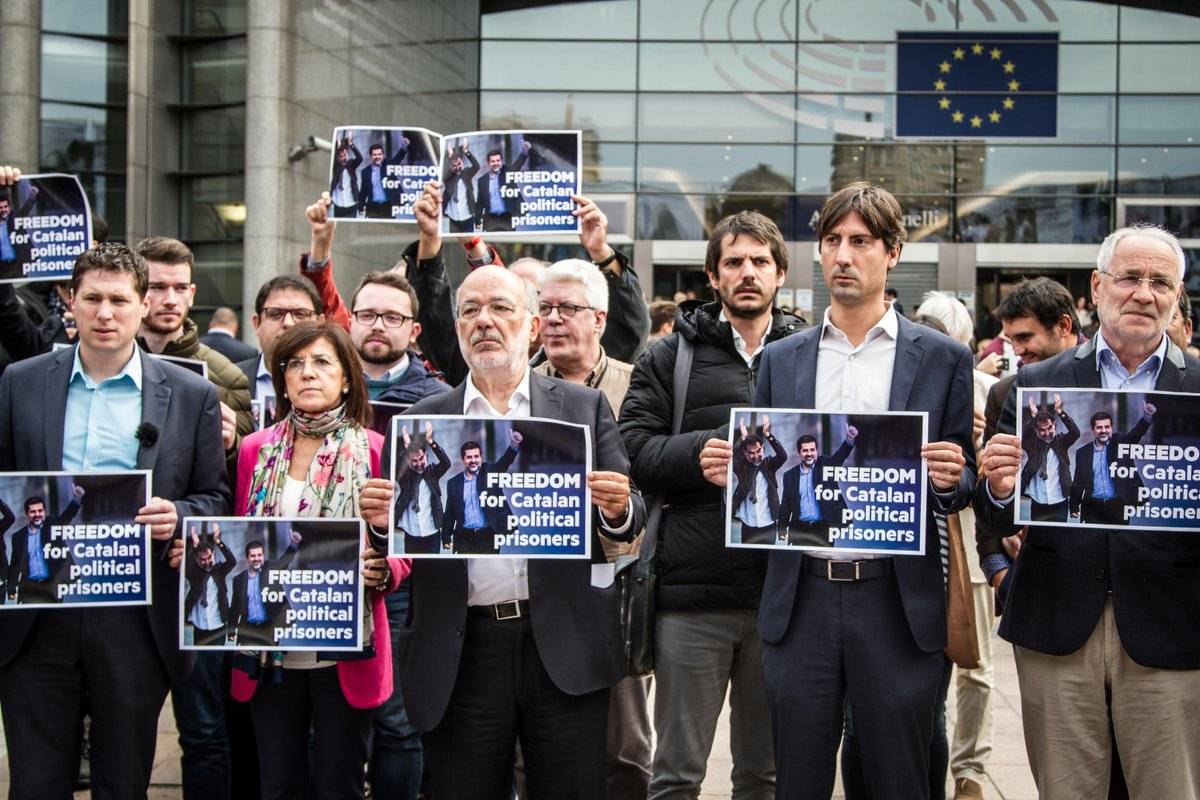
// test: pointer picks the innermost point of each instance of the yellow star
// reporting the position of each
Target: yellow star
(940, 85)
(944, 66)
(994, 116)
(944, 103)
(976, 122)
(1014, 85)
(959, 54)
(1009, 67)
(1008, 104)
(977, 49)
(957, 116)
(995, 53)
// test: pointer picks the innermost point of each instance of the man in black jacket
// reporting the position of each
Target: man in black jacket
(756, 496)
(1046, 476)
(458, 202)
(706, 635)
(206, 606)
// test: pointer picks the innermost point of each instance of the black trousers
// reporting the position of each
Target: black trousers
(764, 534)
(285, 712)
(497, 222)
(503, 694)
(107, 655)
(476, 541)
(462, 225)
(1048, 512)
(1103, 512)
(422, 544)
(378, 210)
(851, 640)
(345, 211)
(809, 534)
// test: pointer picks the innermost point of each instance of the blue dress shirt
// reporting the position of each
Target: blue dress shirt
(38, 571)
(809, 510)
(472, 513)
(255, 612)
(102, 418)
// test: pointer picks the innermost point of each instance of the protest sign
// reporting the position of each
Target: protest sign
(271, 584)
(376, 174)
(1097, 458)
(817, 481)
(481, 488)
(258, 410)
(45, 223)
(510, 181)
(71, 539)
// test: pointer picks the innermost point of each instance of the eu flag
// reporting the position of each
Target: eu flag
(957, 84)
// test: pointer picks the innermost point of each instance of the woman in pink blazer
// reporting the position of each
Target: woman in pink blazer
(315, 463)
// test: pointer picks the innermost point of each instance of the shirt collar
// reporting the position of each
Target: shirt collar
(131, 370)
(1153, 361)
(739, 342)
(262, 367)
(593, 377)
(472, 395)
(220, 332)
(888, 324)
(395, 372)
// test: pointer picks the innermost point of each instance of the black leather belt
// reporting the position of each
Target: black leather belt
(847, 571)
(512, 609)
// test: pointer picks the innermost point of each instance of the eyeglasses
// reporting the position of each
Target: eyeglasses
(497, 308)
(320, 363)
(298, 314)
(565, 310)
(390, 319)
(1129, 282)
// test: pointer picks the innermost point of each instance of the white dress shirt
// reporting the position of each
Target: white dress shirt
(740, 344)
(420, 523)
(756, 508)
(856, 379)
(1049, 491)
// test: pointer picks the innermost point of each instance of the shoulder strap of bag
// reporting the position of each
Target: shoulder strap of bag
(682, 375)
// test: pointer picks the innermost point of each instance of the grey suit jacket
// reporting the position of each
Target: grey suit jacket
(576, 625)
(187, 464)
(786, 379)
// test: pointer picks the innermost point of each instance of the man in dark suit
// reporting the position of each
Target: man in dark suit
(493, 209)
(756, 495)
(252, 620)
(806, 514)
(377, 190)
(1105, 483)
(7, 518)
(1046, 476)
(869, 630)
(467, 524)
(474, 620)
(222, 336)
(419, 500)
(343, 188)
(206, 606)
(33, 577)
(1119, 648)
(154, 416)
(458, 194)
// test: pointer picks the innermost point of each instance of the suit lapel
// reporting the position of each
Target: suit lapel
(1087, 376)
(156, 401)
(1170, 377)
(546, 400)
(806, 367)
(909, 352)
(58, 379)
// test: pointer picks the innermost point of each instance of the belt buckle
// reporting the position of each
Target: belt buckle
(830, 576)
(516, 607)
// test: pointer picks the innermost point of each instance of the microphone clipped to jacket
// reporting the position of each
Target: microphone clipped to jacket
(147, 434)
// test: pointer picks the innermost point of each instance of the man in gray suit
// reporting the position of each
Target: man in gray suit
(501, 650)
(104, 405)
(867, 629)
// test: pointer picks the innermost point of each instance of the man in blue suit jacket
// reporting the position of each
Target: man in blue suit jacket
(867, 629)
(104, 405)
(1104, 622)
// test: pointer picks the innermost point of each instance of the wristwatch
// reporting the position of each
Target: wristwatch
(612, 256)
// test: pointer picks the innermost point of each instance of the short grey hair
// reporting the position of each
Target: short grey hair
(951, 313)
(1109, 246)
(531, 298)
(584, 273)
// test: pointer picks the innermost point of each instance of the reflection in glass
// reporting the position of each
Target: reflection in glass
(1160, 68)
(1027, 220)
(1144, 24)
(93, 17)
(1037, 169)
(715, 168)
(714, 118)
(1158, 170)
(717, 67)
(82, 138)
(214, 139)
(605, 116)
(1160, 120)
(600, 19)
(83, 71)
(899, 167)
(607, 168)
(106, 194)
(215, 72)
(213, 207)
(691, 216)
(1074, 20)
(556, 65)
(719, 19)
(215, 16)
(218, 273)
(1184, 221)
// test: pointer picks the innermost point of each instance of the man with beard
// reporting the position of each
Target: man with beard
(206, 607)
(419, 495)
(706, 634)
(467, 526)
(1098, 495)
(458, 200)
(167, 330)
(1046, 476)
(805, 517)
(756, 496)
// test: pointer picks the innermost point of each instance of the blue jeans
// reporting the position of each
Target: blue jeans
(199, 704)
(396, 756)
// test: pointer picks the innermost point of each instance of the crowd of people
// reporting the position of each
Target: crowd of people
(502, 677)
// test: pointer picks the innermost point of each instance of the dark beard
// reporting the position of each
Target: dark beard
(160, 330)
(744, 313)
(390, 356)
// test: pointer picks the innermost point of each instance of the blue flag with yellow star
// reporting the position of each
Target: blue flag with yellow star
(957, 84)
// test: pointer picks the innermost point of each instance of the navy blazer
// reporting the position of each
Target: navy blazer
(187, 465)
(786, 377)
(1062, 577)
(576, 625)
(494, 517)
